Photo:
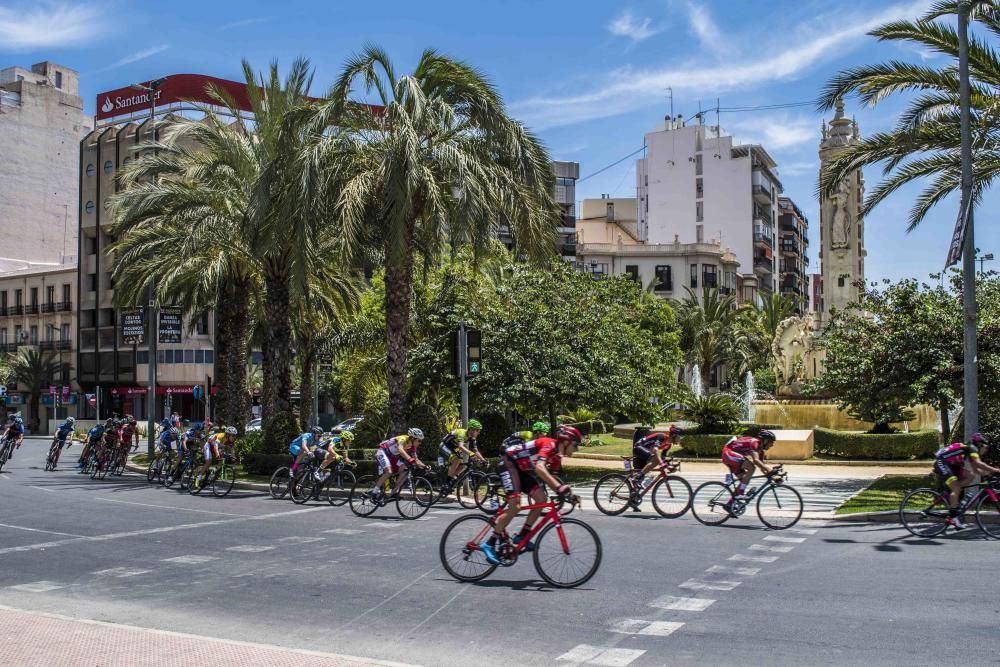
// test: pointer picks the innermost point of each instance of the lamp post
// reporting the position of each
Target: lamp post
(988, 257)
(151, 88)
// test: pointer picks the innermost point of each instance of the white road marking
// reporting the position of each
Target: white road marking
(670, 602)
(787, 540)
(152, 531)
(598, 655)
(37, 530)
(121, 572)
(764, 547)
(803, 531)
(461, 590)
(385, 524)
(738, 571)
(36, 587)
(42, 488)
(343, 531)
(425, 518)
(700, 585)
(445, 512)
(301, 540)
(250, 548)
(753, 559)
(632, 626)
(402, 590)
(189, 560)
(170, 507)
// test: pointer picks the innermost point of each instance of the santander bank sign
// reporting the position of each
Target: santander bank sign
(176, 88)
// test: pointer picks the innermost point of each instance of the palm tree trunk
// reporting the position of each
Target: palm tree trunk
(307, 359)
(945, 423)
(232, 349)
(277, 414)
(398, 289)
(35, 399)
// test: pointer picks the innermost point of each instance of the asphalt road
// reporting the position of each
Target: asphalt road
(252, 569)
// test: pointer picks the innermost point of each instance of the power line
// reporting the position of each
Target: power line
(613, 164)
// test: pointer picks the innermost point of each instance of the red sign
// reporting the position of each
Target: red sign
(65, 390)
(53, 389)
(127, 391)
(175, 88)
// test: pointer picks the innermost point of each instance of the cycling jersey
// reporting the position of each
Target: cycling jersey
(96, 433)
(129, 432)
(524, 455)
(63, 432)
(738, 451)
(192, 435)
(744, 445)
(642, 450)
(303, 441)
(112, 436)
(459, 436)
(956, 453)
(16, 428)
(166, 440)
(393, 445)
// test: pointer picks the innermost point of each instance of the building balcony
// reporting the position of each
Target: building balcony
(31, 309)
(762, 193)
(64, 306)
(763, 263)
(790, 246)
(59, 345)
(48, 307)
(791, 290)
(763, 239)
(8, 347)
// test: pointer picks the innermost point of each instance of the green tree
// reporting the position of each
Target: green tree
(713, 330)
(33, 370)
(441, 160)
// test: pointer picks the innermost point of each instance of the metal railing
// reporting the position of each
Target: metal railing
(64, 306)
(761, 238)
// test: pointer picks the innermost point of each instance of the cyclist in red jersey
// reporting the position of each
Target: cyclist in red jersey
(526, 467)
(741, 455)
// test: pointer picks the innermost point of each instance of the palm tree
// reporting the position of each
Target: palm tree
(925, 143)
(710, 329)
(773, 310)
(439, 160)
(33, 370)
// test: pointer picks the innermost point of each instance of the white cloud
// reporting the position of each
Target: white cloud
(628, 89)
(244, 22)
(626, 25)
(705, 29)
(776, 132)
(798, 168)
(49, 25)
(135, 57)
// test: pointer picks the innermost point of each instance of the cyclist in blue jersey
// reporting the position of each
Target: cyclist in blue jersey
(64, 431)
(15, 431)
(94, 436)
(304, 444)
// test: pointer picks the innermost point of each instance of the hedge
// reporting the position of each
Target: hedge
(703, 444)
(877, 446)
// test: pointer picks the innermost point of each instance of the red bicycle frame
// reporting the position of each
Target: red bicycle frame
(551, 515)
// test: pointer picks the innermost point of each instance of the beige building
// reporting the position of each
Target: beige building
(793, 246)
(38, 309)
(41, 124)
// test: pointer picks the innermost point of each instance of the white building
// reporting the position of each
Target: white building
(695, 186)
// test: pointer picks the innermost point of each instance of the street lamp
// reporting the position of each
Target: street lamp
(988, 257)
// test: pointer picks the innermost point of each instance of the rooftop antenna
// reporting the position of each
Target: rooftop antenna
(670, 91)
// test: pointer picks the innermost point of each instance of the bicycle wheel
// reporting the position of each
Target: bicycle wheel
(153, 469)
(224, 480)
(465, 489)
(571, 554)
(197, 482)
(280, 482)
(491, 497)
(672, 496)
(169, 478)
(707, 503)
(361, 501)
(337, 488)
(303, 486)
(187, 477)
(415, 498)
(988, 516)
(612, 493)
(459, 548)
(924, 512)
(779, 507)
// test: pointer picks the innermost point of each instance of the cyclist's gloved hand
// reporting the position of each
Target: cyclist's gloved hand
(564, 491)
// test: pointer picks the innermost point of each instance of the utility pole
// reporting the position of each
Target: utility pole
(463, 372)
(971, 379)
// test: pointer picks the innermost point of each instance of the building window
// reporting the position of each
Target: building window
(34, 297)
(90, 170)
(202, 325)
(89, 208)
(188, 356)
(50, 333)
(90, 245)
(50, 294)
(3, 301)
(58, 79)
(19, 334)
(699, 211)
(88, 319)
(18, 298)
(209, 356)
(107, 317)
(632, 271)
(694, 275)
(709, 276)
(697, 164)
(109, 280)
(840, 281)
(66, 293)
(65, 332)
(91, 282)
(699, 233)
(3, 336)
(199, 356)
(664, 281)
(34, 335)
(109, 167)
(699, 188)
(142, 357)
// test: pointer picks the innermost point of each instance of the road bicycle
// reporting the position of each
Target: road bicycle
(6, 449)
(160, 466)
(924, 512)
(464, 485)
(220, 477)
(671, 493)
(779, 506)
(567, 552)
(100, 461)
(176, 475)
(413, 500)
(54, 450)
(491, 496)
(280, 484)
(334, 483)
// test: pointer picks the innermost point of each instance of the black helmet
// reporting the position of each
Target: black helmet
(317, 431)
(765, 434)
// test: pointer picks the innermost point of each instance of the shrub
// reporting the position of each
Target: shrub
(878, 446)
(707, 445)
(715, 413)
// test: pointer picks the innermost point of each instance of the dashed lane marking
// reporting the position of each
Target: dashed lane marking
(632, 626)
(120, 572)
(765, 547)
(671, 603)
(250, 548)
(343, 531)
(803, 531)
(738, 571)
(599, 655)
(425, 518)
(37, 530)
(753, 559)
(36, 587)
(189, 560)
(701, 585)
(787, 540)
(42, 488)
(301, 540)
(385, 524)
(171, 507)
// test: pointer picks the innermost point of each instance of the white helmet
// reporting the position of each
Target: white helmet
(231, 430)
(70, 420)
(415, 433)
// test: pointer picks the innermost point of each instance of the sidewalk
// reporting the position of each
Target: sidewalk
(34, 639)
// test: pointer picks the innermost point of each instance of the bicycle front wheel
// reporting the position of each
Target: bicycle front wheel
(362, 502)
(280, 482)
(779, 507)
(567, 554)
(491, 496)
(671, 496)
(415, 498)
(612, 493)
(459, 548)
(710, 503)
(466, 489)
(924, 512)
(988, 516)
(338, 487)
(224, 481)
(303, 486)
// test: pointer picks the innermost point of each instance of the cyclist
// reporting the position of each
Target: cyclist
(958, 466)
(458, 446)
(332, 455)
(94, 438)
(397, 454)
(302, 445)
(64, 431)
(215, 448)
(130, 432)
(538, 430)
(527, 467)
(741, 455)
(647, 453)
(190, 442)
(165, 443)
(15, 431)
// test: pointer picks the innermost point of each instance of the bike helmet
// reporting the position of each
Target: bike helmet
(231, 430)
(346, 435)
(71, 420)
(980, 440)
(317, 431)
(765, 434)
(174, 430)
(571, 433)
(539, 426)
(18, 420)
(415, 433)
(474, 423)
(675, 431)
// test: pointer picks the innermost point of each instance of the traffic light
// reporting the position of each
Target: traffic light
(197, 392)
(473, 340)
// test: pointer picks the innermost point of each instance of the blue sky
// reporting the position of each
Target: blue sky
(590, 77)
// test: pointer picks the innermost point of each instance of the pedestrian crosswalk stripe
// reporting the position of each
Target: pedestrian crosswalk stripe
(36, 587)
(632, 626)
(803, 531)
(385, 524)
(120, 572)
(672, 603)
(301, 540)
(189, 560)
(739, 571)
(599, 655)
(250, 548)
(753, 559)
(779, 538)
(700, 585)
(343, 531)
(764, 547)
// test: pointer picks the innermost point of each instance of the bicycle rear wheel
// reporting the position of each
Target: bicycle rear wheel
(779, 507)
(465, 489)
(415, 498)
(303, 486)
(567, 555)
(924, 512)
(709, 503)
(224, 480)
(492, 496)
(187, 477)
(459, 548)
(612, 493)
(280, 482)
(361, 501)
(153, 469)
(988, 516)
(338, 486)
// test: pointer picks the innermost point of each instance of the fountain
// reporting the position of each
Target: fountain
(748, 395)
(695, 382)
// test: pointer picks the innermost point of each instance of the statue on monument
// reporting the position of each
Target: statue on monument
(841, 227)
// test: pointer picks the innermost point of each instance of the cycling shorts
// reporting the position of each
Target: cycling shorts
(387, 461)
(948, 473)
(444, 451)
(733, 460)
(516, 481)
(640, 457)
(61, 437)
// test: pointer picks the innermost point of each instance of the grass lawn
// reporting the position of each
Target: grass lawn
(884, 494)
(616, 447)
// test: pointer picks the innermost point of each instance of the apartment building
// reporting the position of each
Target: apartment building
(41, 124)
(567, 173)
(694, 185)
(793, 246)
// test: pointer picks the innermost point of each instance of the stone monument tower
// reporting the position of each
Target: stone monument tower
(842, 231)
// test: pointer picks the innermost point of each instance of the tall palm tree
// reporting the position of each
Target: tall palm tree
(925, 143)
(33, 369)
(710, 329)
(439, 160)
(773, 309)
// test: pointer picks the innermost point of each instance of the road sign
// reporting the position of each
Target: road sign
(53, 390)
(65, 390)
(171, 323)
(3, 390)
(92, 399)
(133, 325)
